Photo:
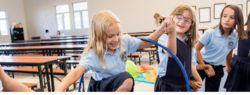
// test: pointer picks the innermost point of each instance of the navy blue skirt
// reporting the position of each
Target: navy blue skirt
(109, 84)
(239, 77)
(168, 84)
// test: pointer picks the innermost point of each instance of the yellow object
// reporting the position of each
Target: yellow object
(151, 76)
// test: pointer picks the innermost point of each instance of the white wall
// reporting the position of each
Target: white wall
(41, 16)
(15, 13)
(135, 15)
(210, 3)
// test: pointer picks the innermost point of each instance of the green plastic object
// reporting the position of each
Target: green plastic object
(131, 68)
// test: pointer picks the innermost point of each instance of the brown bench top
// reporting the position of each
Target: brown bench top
(31, 70)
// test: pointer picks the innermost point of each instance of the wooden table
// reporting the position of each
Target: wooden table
(46, 50)
(38, 61)
(44, 43)
(71, 37)
(136, 34)
(54, 39)
(139, 34)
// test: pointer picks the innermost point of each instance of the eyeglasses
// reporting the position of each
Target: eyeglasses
(186, 20)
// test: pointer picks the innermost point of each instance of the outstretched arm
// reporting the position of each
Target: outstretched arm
(71, 78)
(9, 84)
(166, 25)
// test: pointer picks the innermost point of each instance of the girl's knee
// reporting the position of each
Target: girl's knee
(129, 81)
(128, 84)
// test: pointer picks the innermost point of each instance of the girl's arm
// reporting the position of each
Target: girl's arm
(196, 74)
(10, 84)
(199, 46)
(228, 61)
(71, 78)
(202, 66)
(166, 25)
(171, 44)
(197, 82)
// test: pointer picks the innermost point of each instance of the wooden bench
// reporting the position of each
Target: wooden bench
(31, 85)
(133, 57)
(152, 52)
(72, 61)
(32, 70)
(74, 51)
(75, 56)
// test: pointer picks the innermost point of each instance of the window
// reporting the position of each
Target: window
(81, 18)
(3, 23)
(63, 18)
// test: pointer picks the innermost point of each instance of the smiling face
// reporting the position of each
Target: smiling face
(228, 19)
(113, 37)
(183, 22)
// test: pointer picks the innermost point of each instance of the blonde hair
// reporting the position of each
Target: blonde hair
(98, 33)
(191, 33)
(157, 18)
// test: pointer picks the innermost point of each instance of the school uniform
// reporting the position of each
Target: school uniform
(169, 74)
(47, 36)
(58, 35)
(215, 51)
(238, 77)
(113, 76)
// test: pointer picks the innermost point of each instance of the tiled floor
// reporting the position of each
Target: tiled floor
(139, 86)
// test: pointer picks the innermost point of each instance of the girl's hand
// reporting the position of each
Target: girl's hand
(167, 25)
(195, 85)
(209, 70)
(170, 25)
(228, 68)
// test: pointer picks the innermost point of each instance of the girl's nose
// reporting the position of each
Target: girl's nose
(116, 38)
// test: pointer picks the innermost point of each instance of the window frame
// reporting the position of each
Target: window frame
(81, 15)
(7, 25)
(63, 17)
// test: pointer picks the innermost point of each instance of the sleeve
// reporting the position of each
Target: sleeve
(88, 61)
(236, 44)
(206, 37)
(132, 43)
(162, 40)
(194, 60)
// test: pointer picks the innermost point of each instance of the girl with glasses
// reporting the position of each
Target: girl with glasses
(180, 40)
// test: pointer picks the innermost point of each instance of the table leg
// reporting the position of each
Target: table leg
(47, 76)
(52, 77)
(40, 77)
